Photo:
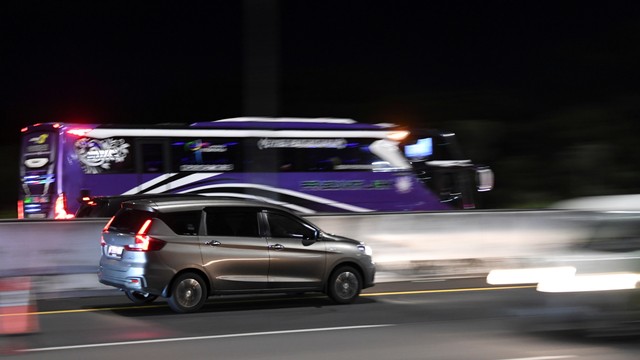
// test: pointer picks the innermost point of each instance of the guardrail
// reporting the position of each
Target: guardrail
(437, 242)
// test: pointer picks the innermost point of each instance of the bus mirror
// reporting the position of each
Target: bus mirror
(484, 177)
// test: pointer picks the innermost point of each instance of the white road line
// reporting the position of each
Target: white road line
(544, 357)
(195, 338)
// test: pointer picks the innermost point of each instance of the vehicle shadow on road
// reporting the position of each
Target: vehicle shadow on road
(237, 303)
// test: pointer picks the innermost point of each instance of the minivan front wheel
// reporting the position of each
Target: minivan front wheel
(140, 298)
(188, 293)
(345, 284)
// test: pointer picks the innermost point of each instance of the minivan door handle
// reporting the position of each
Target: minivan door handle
(276, 247)
(213, 243)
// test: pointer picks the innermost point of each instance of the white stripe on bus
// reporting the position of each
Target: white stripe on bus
(142, 187)
(297, 194)
(182, 181)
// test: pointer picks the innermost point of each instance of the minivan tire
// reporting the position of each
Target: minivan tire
(188, 293)
(344, 285)
(140, 298)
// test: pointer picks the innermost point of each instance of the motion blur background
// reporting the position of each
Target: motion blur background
(544, 92)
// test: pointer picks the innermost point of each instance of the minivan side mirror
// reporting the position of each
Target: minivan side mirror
(306, 241)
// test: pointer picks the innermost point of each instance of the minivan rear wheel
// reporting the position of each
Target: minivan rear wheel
(188, 293)
(140, 298)
(345, 284)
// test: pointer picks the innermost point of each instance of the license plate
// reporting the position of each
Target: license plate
(113, 250)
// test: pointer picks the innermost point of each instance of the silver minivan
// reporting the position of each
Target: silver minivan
(186, 249)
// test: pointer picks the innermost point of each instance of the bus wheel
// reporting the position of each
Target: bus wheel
(188, 293)
(345, 284)
(140, 298)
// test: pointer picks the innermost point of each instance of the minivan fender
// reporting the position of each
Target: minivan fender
(166, 291)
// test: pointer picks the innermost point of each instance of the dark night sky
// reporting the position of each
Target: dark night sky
(415, 62)
(120, 61)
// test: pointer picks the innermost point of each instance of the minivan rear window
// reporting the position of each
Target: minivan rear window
(129, 220)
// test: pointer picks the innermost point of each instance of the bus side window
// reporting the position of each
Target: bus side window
(152, 158)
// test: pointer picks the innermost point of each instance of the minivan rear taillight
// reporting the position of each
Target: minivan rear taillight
(143, 241)
(104, 230)
(106, 227)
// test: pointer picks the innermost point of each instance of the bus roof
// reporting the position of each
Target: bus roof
(288, 123)
(238, 123)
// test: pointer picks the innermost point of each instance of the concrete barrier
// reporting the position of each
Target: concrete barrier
(64, 254)
(49, 247)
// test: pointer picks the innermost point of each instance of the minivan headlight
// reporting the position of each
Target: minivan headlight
(366, 249)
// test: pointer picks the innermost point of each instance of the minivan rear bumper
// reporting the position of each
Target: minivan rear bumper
(130, 278)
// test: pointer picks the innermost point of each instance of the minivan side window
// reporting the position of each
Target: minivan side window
(282, 226)
(232, 222)
(183, 222)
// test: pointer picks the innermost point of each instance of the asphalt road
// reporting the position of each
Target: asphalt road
(446, 319)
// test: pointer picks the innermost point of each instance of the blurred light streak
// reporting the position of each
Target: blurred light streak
(528, 276)
(591, 282)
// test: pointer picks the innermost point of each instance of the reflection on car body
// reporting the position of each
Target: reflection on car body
(188, 249)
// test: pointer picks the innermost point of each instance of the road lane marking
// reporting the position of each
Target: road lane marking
(72, 311)
(417, 292)
(544, 357)
(210, 337)
(389, 293)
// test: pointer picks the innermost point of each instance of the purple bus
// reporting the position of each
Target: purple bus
(306, 165)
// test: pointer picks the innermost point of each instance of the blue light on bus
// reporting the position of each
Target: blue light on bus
(422, 149)
(32, 208)
(38, 179)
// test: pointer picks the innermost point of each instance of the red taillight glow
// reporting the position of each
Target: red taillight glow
(144, 228)
(20, 209)
(144, 242)
(78, 132)
(104, 230)
(106, 227)
(61, 208)
(24, 129)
